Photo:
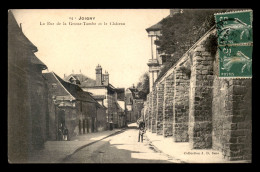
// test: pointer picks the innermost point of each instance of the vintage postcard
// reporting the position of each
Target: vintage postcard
(130, 85)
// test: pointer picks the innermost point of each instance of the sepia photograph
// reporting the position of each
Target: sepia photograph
(130, 86)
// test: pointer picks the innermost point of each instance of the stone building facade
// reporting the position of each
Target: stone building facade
(190, 103)
(70, 106)
(134, 104)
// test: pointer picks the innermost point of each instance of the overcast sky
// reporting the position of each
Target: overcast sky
(122, 50)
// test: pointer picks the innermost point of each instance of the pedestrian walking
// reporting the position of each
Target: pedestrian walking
(60, 133)
(141, 131)
(65, 133)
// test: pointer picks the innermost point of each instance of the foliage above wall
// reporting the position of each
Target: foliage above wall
(181, 31)
(143, 85)
(211, 44)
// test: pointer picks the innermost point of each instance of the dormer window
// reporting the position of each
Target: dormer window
(54, 85)
(71, 79)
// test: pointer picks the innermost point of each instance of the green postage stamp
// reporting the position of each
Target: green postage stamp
(235, 43)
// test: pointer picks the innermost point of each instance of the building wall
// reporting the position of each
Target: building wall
(232, 118)
(109, 102)
(112, 107)
(89, 114)
(101, 119)
(27, 106)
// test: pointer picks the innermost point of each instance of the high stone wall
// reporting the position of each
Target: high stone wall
(159, 112)
(154, 109)
(181, 106)
(168, 105)
(208, 111)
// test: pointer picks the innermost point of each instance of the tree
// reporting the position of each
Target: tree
(143, 85)
(181, 31)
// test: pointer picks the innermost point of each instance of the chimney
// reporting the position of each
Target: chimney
(98, 75)
(175, 11)
(106, 78)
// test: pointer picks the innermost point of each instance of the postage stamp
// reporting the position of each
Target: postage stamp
(235, 44)
(234, 27)
(235, 61)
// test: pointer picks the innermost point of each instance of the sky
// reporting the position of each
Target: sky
(122, 50)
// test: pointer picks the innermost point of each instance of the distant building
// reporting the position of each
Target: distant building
(134, 104)
(102, 91)
(72, 107)
(121, 108)
(27, 100)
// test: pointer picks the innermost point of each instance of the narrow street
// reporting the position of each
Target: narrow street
(120, 148)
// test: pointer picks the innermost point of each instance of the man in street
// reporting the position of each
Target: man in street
(141, 131)
(65, 133)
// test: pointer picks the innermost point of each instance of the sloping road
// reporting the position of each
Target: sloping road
(120, 148)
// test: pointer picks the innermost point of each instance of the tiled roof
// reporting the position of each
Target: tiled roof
(76, 91)
(84, 80)
(59, 90)
(16, 36)
(154, 27)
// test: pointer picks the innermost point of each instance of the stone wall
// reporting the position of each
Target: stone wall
(200, 128)
(197, 106)
(232, 118)
(221, 107)
(181, 106)
(168, 105)
(154, 109)
(150, 111)
(159, 112)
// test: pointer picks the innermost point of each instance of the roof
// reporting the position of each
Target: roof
(76, 91)
(15, 30)
(121, 104)
(60, 90)
(35, 61)
(156, 27)
(135, 93)
(84, 80)
(15, 35)
(69, 89)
